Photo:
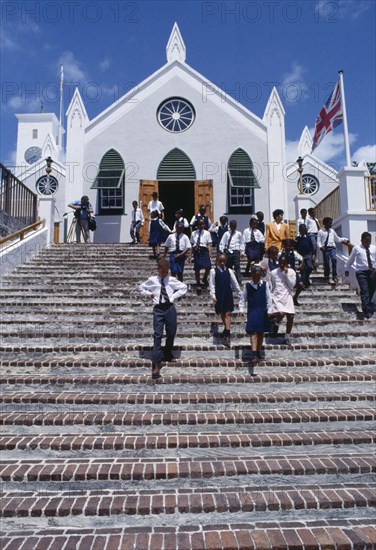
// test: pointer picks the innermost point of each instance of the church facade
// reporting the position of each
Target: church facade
(175, 133)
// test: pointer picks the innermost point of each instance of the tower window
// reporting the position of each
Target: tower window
(35, 133)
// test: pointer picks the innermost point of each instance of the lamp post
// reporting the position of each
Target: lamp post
(49, 161)
(300, 170)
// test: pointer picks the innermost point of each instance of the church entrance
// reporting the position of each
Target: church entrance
(175, 194)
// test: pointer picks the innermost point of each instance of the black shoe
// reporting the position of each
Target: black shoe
(227, 341)
(155, 371)
(296, 303)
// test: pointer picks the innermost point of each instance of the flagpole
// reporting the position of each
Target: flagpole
(345, 127)
(61, 105)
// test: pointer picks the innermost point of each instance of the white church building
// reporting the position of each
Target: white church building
(175, 133)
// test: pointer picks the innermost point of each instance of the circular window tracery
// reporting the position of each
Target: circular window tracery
(310, 184)
(47, 185)
(176, 115)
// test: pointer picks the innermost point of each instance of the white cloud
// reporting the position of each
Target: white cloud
(366, 153)
(11, 36)
(73, 71)
(293, 86)
(332, 12)
(105, 64)
(331, 147)
(21, 104)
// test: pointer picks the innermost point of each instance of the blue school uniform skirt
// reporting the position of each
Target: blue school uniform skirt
(223, 291)
(201, 259)
(253, 250)
(257, 315)
(156, 234)
(176, 265)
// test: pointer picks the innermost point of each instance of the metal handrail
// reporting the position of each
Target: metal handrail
(21, 232)
(16, 199)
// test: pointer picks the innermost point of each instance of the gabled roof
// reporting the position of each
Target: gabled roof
(176, 66)
(192, 78)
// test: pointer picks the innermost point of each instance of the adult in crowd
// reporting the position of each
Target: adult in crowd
(82, 210)
(276, 231)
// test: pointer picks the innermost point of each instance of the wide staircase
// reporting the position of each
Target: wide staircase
(214, 454)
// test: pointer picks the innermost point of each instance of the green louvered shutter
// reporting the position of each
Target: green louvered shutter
(176, 165)
(111, 171)
(240, 171)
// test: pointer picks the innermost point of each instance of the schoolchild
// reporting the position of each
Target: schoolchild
(295, 261)
(254, 243)
(179, 218)
(256, 300)
(232, 244)
(304, 247)
(269, 263)
(164, 291)
(201, 215)
(303, 218)
(261, 223)
(364, 256)
(218, 230)
(201, 246)
(221, 284)
(137, 221)
(313, 227)
(156, 204)
(157, 232)
(283, 281)
(326, 241)
(179, 248)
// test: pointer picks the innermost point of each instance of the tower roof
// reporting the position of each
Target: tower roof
(175, 49)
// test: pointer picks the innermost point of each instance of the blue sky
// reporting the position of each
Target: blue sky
(245, 47)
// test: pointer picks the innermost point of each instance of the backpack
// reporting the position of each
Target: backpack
(92, 223)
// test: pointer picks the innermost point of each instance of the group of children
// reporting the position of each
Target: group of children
(279, 268)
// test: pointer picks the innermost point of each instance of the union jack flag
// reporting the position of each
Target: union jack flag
(329, 117)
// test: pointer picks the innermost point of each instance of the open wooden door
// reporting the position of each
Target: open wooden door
(204, 195)
(147, 188)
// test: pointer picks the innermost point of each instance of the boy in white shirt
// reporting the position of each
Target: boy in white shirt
(326, 241)
(137, 221)
(164, 291)
(364, 256)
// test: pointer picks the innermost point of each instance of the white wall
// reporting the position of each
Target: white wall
(209, 143)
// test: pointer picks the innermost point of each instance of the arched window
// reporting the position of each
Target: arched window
(241, 182)
(110, 183)
(176, 165)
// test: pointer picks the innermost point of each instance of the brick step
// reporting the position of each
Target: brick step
(118, 302)
(202, 333)
(181, 418)
(182, 398)
(185, 501)
(103, 318)
(115, 275)
(140, 469)
(345, 534)
(34, 347)
(118, 441)
(195, 379)
(102, 361)
(213, 326)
